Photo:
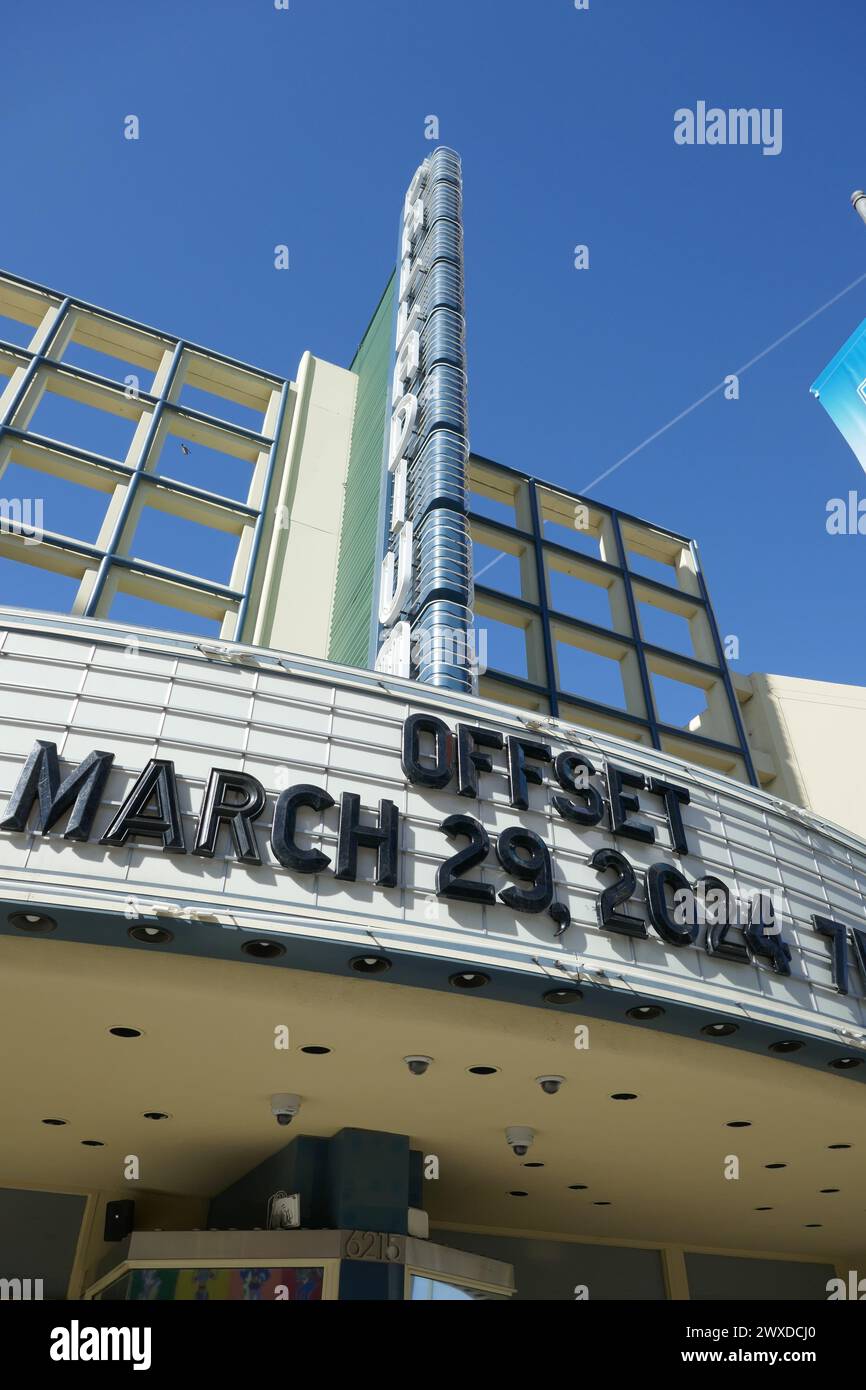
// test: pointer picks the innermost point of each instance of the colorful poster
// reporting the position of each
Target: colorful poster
(255, 1284)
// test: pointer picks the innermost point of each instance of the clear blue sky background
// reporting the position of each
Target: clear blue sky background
(261, 127)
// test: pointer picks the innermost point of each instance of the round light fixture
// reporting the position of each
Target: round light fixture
(155, 1115)
(263, 950)
(316, 1051)
(370, 965)
(563, 996)
(720, 1030)
(125, 1032)
(738, 1124)
(787, 1045)
(469, 979)
(846, 1063)
(151, 936)
(482, 1071)
(644, 1012)
(32, 921)
(55, 1122)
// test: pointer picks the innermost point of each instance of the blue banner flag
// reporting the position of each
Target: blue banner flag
(841, 389)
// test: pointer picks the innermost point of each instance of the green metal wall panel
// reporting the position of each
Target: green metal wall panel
(360, 543)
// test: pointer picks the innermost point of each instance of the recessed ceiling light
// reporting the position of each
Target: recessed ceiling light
(763, 1208)
(846, 1063)
(563, 996)
(156, 1115)
(738, 1124)
(838, 1146)
(577, 1187)
(93, 1143)
(644, 1012)
(787, 1045)
(518, 1193)
(263, 950)
(125, 1032)
(370, 965)
(55, 1122)
(775, 1165)
(32, 921)
(533, 1165)
(624, 1095)
(720, 1030)
(469, 979)
(482, 1071)
(825, 1190)
(812, 1226)
(602, 1204)
(316, 1051)
(151, 936)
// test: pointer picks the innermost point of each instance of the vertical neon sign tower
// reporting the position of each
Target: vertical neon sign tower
(425, 589)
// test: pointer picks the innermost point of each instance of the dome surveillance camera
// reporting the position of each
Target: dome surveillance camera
(418, 1065)
(519, 1138)
(550, 1084)
(284, 1108)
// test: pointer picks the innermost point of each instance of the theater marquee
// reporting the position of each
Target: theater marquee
(300, 801)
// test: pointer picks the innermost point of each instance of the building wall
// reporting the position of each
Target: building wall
(360, 538)
(299, 563)
(812, 734)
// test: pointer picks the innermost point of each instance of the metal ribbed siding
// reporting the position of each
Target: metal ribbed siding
(359, 538)
(440, 602)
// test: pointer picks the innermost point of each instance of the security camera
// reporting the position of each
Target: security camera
(417, 1065)
(284, 1108)
(550, 1084)
(519, 1138)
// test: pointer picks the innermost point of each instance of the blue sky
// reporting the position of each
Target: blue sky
(303, 127)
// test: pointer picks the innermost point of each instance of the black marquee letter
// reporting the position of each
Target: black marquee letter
(659, 877)
(439, 775)
(838, 949)
(469, 761)
(519, 749)
(157, 780)
(673, 797)
(40, 778)
(384, 838)
(565, 767)
(216, 810)
(621, 803)
(289, 802)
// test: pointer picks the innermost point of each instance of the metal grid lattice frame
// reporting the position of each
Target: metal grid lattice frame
(132, 483)
(717, 737)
